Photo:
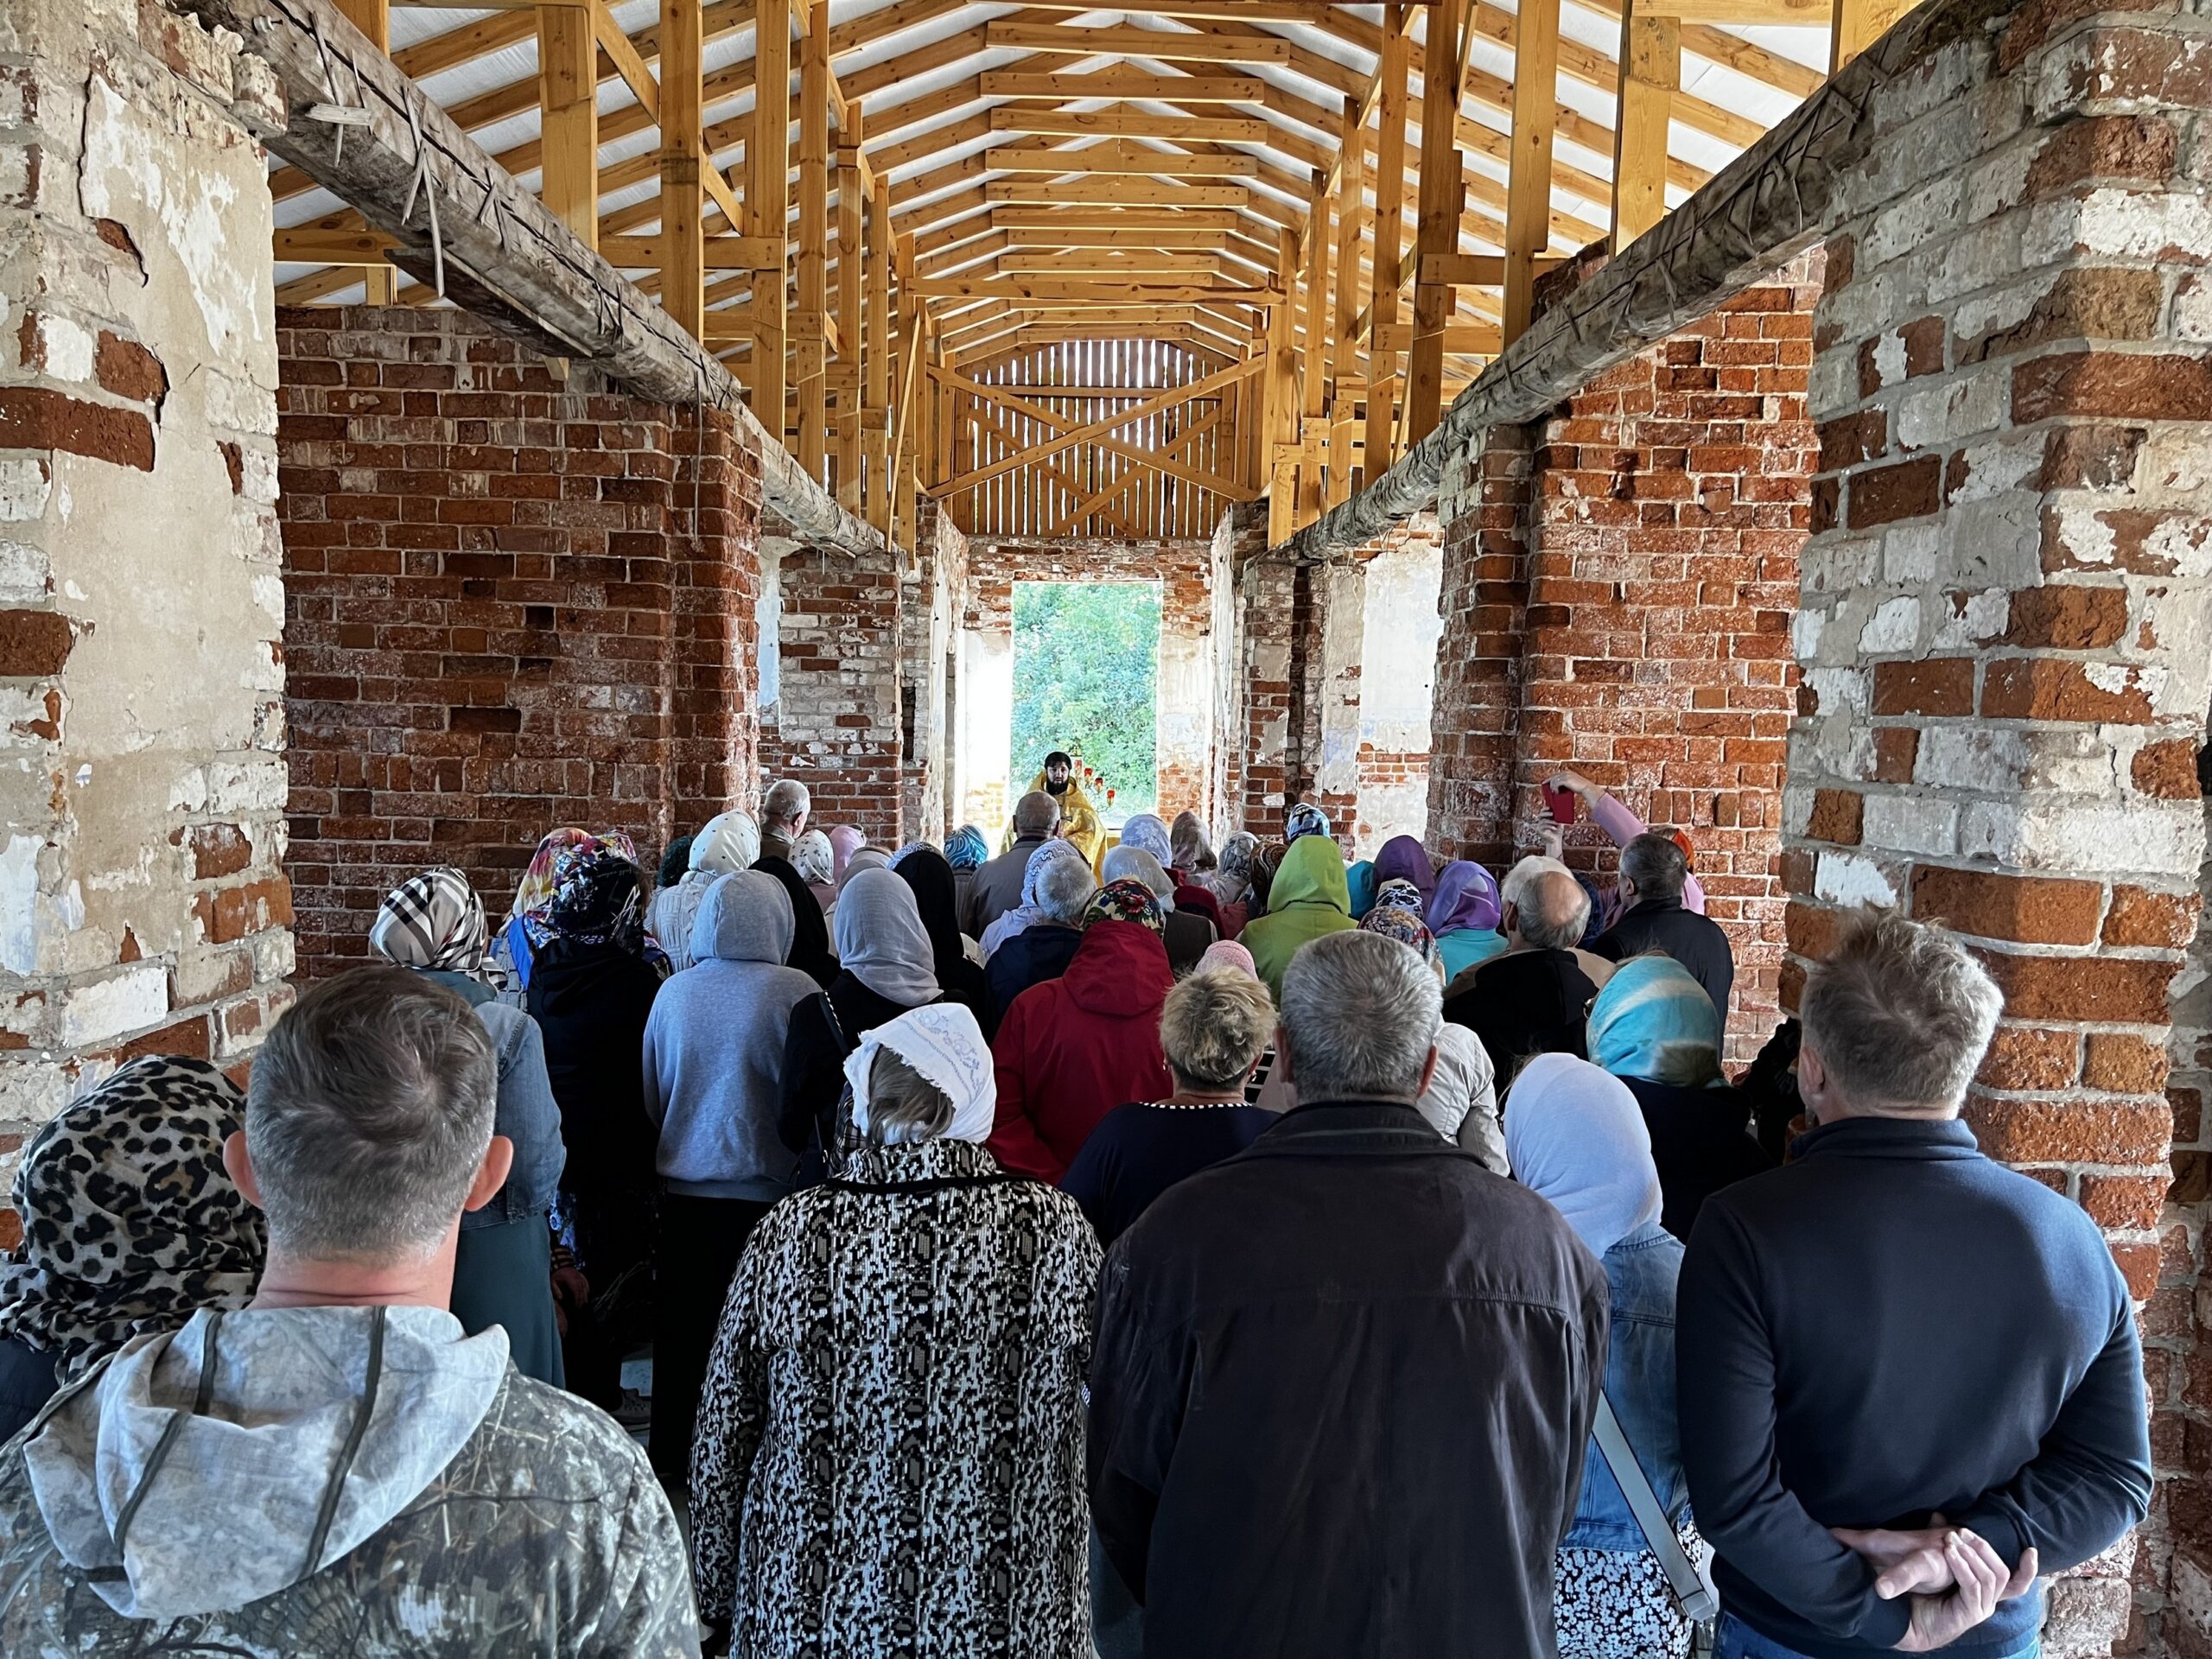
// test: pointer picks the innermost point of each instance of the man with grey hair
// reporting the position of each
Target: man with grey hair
(1043, 950)
(1893, 1332)
(336, 1457)
(1344, 1378)
(1654, 872)
(783, 817)
(1536, 997)
(997, 887)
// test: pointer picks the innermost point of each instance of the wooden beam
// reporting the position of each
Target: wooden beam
(767, 204)
(1089, 218)
(311, 244)
(1119, 157)
(1281, 369)
(379, 283)
(1115, 192)
(1383, 381)
(568, 119)
(1651, 74)
(1074, 293)
(1131, 124)
(850, 326)
(1324, 13)
(1442, 57)
(1529, 181)
(1124, 83)
(811, 353)
(623, 53)
(1857, 24)
(875, 362)
(1460, 339)
(716, 252)
(683, 159)
(1314, 359)
(1161, 45)
(1346, 389)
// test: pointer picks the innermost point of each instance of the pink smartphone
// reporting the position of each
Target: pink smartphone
(1561, 802)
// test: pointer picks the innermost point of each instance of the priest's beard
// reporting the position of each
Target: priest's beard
(1060, 788)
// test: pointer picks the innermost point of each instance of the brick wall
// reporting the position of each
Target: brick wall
(513, 603)
(1628, 592)
(2005, 614)
(143, 905)
(836, 724)
(929, 595)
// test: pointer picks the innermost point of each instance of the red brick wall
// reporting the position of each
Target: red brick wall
(834, 726)
(1629, 596)
(499, 616)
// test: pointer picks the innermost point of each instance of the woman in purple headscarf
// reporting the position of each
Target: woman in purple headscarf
(1404, 858)
(1464, 916)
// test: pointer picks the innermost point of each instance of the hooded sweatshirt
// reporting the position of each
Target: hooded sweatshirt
(1070, 1050)
(244, 1434)
(715, 1046)
(1310, 897)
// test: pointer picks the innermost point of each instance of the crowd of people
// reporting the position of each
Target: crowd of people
(1145, 1249)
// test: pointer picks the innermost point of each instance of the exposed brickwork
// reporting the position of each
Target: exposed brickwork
(140, 595)
(1630, 614)
(2004, 635)
(835, 725)
(929, 672)
(498, 617)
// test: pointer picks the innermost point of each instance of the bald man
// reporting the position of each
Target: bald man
(1534, 999)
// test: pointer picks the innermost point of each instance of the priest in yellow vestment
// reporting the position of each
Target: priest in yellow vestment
(1079, 820)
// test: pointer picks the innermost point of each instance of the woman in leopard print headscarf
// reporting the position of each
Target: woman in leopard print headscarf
(130, 1223)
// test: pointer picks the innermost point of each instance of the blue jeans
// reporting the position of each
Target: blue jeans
(1735, 1640)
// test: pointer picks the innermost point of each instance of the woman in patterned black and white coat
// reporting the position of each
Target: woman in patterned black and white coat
(889, 1449)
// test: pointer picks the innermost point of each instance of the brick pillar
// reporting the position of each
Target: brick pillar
(1241, 533)
(2005, 621)
(142, 905)
(1268, 597)
(1397, 684)
(837, 723)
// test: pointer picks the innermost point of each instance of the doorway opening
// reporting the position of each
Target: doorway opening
(1086, 676)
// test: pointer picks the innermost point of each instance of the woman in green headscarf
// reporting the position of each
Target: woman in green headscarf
(1309, 897)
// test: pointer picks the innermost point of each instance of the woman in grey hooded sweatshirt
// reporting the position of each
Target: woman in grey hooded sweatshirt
(714, 1050)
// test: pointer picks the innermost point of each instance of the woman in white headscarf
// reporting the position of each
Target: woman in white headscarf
(949, 1401)
(1032, 910)
(885, 966)
(729, 843)
(1575, 1135)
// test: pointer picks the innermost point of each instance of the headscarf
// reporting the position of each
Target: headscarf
(1031, 910)
(730, 843)
(815, 860)
(1311, 873)
(1402, 926)
(810, 952)
(1576, 1136)
(1304, 819)
(131, 1222)
(1137, 864)
(1227, 953)
(674, 912)
(923, 869)
(595, 895)
(907, 851)
(1126, 900)
(1396, 895)
(844, 841)
(1145, 830)
(537, 884)
(1652, 1020)
(965, 848)
(1232, 876)
(1187, 836)
(1266, 859)
(945, 1044)
(1402, 858)
(865, 858)
(432, 920)
(1359, 885)
(880, 940)
(1467, 899)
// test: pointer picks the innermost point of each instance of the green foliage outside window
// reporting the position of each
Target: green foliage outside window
(1086, 660)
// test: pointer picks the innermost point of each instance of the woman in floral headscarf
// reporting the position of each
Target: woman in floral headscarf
(511, 951)
(120, 1238)
(591, 991)
(1231, 881)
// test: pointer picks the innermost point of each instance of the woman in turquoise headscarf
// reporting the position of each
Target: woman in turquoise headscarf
(1307, 899)
(1654, 1027)
(1359, 881)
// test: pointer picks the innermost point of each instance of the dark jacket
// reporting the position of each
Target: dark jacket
(591, 1002)
(1697, 942)
(1140, 1150)
(997, 887)
(1343, 1383)
(1701, 1142)
(1525, 1002)
(824, 1029)
(1186, 936)
(1039, 952)
(1890, 1326)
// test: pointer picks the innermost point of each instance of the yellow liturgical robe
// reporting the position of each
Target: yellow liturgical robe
(1079, 822)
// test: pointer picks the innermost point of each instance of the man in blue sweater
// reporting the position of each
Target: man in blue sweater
(1909, 1377)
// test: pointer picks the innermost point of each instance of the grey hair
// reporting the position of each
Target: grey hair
(367, 1116)
(1134, 863)
(1362, 1013)
(1063, 888)
(1553, 911)
(1035, 814)
(903, 1105)
(787, 798)
(1215, 1025)
(1901, 1014)
(1656, 865)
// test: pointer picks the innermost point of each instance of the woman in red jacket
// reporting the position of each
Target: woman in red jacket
(1070, 1050)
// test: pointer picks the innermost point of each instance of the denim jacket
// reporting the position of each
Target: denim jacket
(1640, 1271)
(526, 1115)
